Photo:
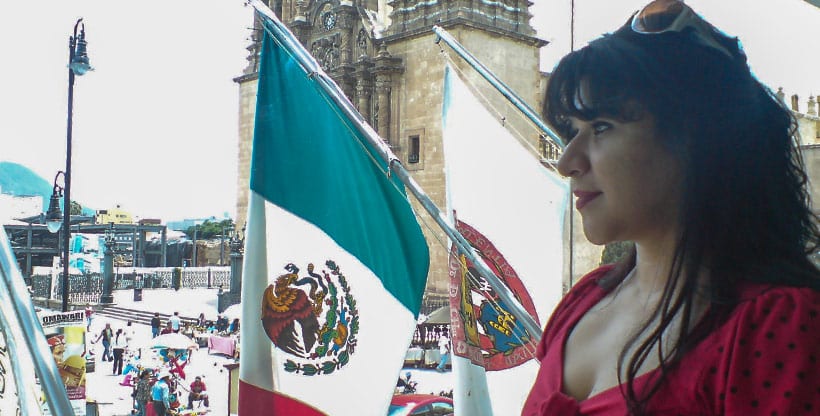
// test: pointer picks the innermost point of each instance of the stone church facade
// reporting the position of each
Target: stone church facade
(384, 56)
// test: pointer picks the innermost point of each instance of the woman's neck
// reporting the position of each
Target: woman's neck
(652, 266)
(648, 279)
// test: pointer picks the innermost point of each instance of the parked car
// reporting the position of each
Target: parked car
(420, 405)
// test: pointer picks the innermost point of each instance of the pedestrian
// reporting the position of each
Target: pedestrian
(105, 335)
(120, 344)
(234, 327)
(221, 323)
(142, 392)
(197, 392)
(169, 329)
(201, 322)
(130, 333)
(444, 350)
(674, 147)
(161, 394)
(88, 312)
(407, 386)
(155, 325)
(175, 322)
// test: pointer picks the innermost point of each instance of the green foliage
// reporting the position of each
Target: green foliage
(76, 208)
(615, 251)
(176, 278)
(209, 229)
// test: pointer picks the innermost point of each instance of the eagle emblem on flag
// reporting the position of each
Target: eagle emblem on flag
(312, 317)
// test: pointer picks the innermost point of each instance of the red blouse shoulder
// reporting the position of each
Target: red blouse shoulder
(768, 353)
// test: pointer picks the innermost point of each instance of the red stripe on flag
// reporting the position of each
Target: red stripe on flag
(256, 401)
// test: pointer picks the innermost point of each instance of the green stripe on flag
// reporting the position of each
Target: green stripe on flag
(310, 160)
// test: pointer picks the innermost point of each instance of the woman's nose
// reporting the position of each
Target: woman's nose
(572, 162)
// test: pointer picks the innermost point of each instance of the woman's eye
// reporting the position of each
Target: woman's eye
(599, 127)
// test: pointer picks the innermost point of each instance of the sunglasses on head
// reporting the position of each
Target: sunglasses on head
(663, 16)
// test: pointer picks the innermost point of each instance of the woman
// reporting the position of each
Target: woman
(675, 146)
(142, 392)
(234, 327)
(105, 335)
(120, 344)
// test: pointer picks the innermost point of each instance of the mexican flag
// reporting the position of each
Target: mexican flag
(511, 209)
(335, 261)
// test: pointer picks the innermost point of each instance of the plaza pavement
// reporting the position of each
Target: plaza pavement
(115, 400)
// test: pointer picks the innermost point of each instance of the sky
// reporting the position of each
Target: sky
(155, 124)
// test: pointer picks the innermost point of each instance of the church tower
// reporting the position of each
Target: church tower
(384, 56)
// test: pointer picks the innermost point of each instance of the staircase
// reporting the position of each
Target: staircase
(138, 316)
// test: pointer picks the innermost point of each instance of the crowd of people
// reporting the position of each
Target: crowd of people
(115, 345)
(157, 375)
(164, 391)
(175, 324)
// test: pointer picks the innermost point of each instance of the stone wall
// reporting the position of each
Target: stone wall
(247, 110)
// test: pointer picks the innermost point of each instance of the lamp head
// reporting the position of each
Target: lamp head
(79, 63)
(54, 217)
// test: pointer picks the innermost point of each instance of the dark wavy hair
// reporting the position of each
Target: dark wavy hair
(745, 214)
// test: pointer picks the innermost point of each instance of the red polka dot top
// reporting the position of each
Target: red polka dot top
(762, 361)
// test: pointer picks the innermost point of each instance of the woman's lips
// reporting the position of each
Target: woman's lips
(583, 198)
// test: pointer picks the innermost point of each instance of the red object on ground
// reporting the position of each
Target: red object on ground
(418, 401)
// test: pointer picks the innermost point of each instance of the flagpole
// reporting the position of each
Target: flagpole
(498, 84)
(280, 32)
(25, 341)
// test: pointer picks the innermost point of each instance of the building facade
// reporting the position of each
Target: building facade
(114, 215)
(808, 129)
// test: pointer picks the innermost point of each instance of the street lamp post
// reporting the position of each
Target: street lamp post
(108, 266)
(77, 65)
(229, 229)
(232, 297)
(196, 228)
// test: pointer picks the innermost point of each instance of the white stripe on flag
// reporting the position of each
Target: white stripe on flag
(514, 206)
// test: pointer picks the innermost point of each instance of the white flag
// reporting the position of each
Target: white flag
(511, 209)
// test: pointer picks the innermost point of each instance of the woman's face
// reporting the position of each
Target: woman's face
(627, 185)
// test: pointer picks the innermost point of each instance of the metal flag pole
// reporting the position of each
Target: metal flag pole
(283, 36)
(26, 342)
(498, 84)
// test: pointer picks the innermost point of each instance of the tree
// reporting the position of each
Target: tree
(615, 251)
(208, 230)
(76, 208)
